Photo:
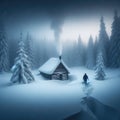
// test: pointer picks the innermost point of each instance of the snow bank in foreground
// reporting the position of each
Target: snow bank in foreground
(55, 99)
(95, 110)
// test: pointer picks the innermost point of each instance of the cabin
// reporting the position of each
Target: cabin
(55, 68)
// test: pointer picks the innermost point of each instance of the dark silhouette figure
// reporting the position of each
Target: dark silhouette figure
(85, 78)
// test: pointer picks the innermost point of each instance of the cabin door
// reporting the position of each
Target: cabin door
(61, 76)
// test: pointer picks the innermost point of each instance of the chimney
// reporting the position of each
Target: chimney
(60, 57)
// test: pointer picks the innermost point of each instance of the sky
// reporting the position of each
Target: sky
(64, 19)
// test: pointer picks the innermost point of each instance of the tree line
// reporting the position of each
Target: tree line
(74, 54)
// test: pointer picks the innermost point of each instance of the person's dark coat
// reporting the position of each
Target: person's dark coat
(85, 78)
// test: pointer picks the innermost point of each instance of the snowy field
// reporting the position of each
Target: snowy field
(54, 99)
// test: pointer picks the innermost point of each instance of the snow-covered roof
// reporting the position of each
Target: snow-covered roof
(50, 66)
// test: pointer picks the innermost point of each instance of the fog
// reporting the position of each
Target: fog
(55, 26)
(36, 17)
(40, 27)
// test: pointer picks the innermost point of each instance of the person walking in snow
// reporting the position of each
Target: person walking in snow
(85, 78)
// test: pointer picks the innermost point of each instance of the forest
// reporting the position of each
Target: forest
(76, 53)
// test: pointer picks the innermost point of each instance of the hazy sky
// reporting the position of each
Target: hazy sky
(73, 16)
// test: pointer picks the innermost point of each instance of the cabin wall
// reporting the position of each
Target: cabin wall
(46, 75)
(55, 76)
(61, 76)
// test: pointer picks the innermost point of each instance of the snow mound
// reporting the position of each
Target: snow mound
(95, 110)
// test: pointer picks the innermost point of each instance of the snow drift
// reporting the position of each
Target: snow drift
(94, 110)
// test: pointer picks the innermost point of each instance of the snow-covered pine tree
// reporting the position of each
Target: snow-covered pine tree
(4, 59)
(21, 70)
(29, 49)
(115, 43)
(103, 41)
(90, 59)
(100, 74)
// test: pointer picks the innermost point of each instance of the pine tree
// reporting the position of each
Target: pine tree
(90, 59)
(103, 41)
(29, 49)
(100, 74)
(4, 59)
(74, 54)
(21, 70)
(80, 52)
(115, 43)
(96, 48)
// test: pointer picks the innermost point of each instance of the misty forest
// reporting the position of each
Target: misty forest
(58, 72)
(76, 53)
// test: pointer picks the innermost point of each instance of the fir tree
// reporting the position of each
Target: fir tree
(4, 59)
(103, 41)
(21, 70)
(96, 48)
(81, 52)
(115, 43)
(100, 74)
(29, 49)
(90, 59)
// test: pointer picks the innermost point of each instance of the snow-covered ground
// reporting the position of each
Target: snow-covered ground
(54, 99)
